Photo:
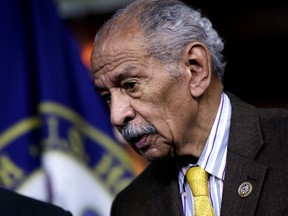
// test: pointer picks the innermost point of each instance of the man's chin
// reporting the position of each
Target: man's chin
(153, 155)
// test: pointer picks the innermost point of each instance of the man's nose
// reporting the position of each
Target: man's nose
(121, 110)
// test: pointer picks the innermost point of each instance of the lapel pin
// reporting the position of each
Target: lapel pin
(245, 189)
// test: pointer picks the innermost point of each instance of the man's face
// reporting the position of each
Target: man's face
(152, 110)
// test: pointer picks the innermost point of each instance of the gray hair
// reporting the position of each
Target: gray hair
(169, 26)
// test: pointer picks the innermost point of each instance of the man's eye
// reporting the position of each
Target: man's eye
(107, 97)
(129, 85)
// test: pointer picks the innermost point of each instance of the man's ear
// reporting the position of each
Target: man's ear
(198, 61)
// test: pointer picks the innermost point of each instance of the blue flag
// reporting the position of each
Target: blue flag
(56, 140)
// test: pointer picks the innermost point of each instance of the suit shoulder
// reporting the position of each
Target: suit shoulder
(273, 113)
(274, 118)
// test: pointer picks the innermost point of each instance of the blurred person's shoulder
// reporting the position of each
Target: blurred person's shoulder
(13, 203)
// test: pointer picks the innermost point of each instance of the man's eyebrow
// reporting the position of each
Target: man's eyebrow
(118, 77)
(123, 74)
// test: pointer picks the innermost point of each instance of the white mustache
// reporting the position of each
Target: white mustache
(131, 133)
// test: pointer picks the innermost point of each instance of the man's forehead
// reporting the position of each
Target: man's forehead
(119, 70)
(113, 60)
(108, 56)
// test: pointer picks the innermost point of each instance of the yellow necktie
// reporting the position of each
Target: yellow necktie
(197, 179)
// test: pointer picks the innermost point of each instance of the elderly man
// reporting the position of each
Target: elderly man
(158, 65)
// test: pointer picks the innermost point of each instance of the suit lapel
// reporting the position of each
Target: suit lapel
(240, 170)
(245, 142)
(166, 202)
(165, 199)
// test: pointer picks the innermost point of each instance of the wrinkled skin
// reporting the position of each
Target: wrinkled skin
(140, 90)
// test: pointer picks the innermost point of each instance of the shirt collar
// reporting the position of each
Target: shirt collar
(213, 156)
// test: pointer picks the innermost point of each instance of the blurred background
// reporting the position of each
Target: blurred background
(56, 141)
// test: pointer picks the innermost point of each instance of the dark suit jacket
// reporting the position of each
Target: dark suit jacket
(257, 153)
(14, 204)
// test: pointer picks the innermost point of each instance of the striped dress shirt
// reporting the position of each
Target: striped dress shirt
(212, 159)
